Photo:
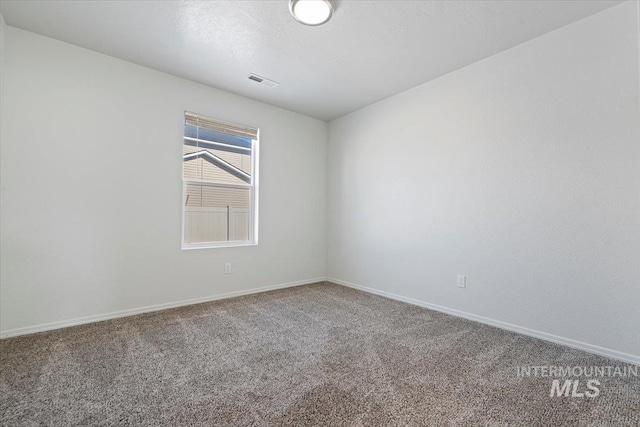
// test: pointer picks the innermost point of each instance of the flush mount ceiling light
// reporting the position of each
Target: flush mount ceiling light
(311, 12)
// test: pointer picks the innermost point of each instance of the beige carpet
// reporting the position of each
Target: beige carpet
(311, 355)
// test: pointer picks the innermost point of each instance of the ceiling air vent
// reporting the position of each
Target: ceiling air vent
(262, 80)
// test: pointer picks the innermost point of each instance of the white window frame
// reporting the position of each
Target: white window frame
(252, 186)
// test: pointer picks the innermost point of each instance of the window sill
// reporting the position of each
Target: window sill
(216, 245)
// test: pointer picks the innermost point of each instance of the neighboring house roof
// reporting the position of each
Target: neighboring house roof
(221, 146)
(218, 140)
(221, 163)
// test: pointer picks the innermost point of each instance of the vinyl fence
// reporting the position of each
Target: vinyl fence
(208, 224)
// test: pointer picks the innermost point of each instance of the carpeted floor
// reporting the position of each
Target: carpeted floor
(312, 355)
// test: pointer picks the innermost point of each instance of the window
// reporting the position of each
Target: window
(220, 191)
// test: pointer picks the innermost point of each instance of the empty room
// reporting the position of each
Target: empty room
(320, 213)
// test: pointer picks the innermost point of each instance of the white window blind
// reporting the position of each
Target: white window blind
(220, 126)
(220, 183)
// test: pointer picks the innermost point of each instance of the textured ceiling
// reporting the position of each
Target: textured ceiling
(368, 51)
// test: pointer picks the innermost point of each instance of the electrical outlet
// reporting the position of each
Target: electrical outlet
(462, 281)
(227, 268)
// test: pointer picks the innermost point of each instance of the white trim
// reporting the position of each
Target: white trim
(216, 245)
(255, 192)
(589, 348)
(148, 309)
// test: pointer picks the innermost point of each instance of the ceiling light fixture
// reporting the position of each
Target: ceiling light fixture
(311, 12)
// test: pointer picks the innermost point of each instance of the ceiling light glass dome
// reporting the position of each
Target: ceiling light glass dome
(311, 12)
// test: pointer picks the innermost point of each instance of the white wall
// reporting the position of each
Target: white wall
(86, 231)
(2, 27)
(2, 62)
(521, 171)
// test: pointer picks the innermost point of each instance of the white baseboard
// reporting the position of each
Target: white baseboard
(131, 312)
(589, 348)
